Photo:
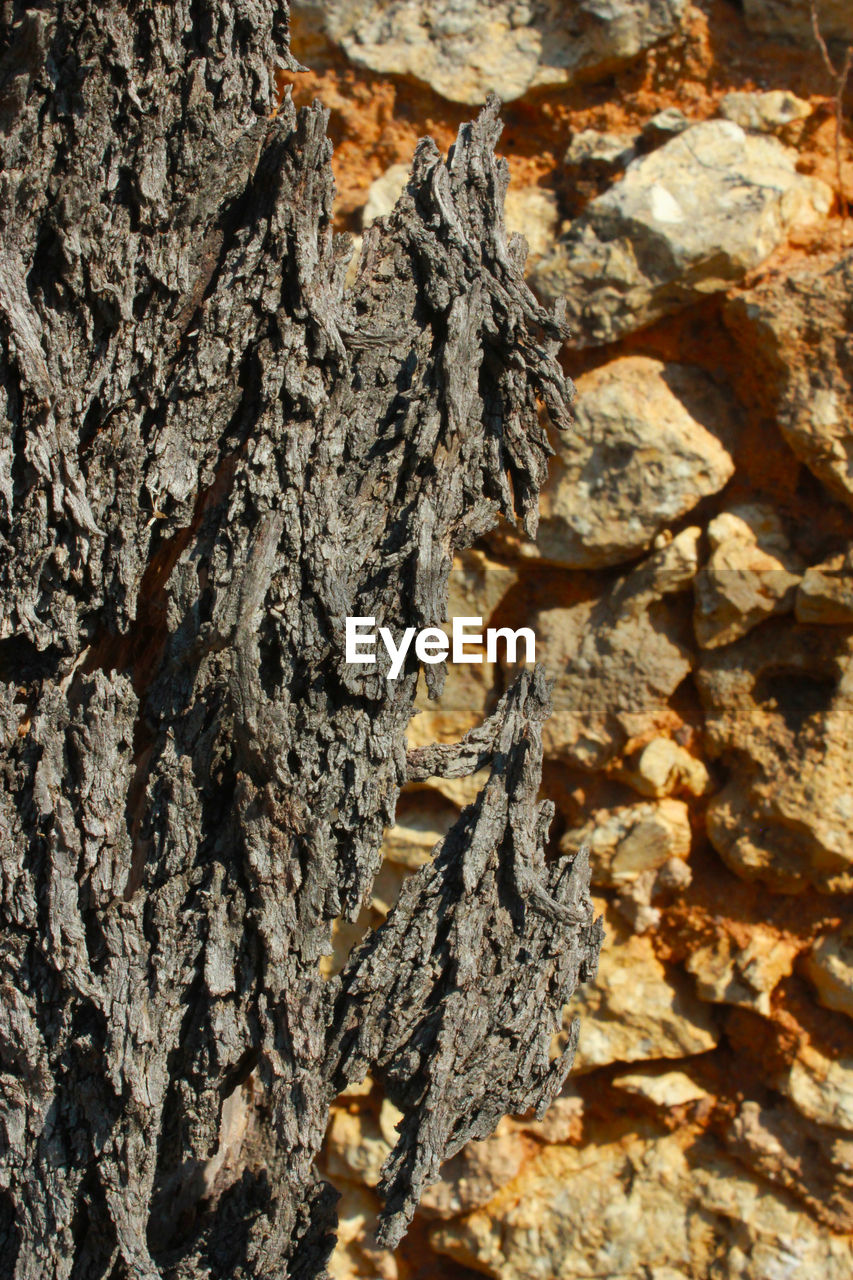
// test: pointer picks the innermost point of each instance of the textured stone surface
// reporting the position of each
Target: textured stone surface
(825, 594)
(829, 967)
(799, 331)
(663, 1207)
(746, 975)
(624, 843)
(466, 50)
(616, 660)
(821, 1088)
(769, 112)
(663, 767)
(750, 575)
(638, 1008)
(778, 705)
(663, 1088)
(691, 218)
(636, 462)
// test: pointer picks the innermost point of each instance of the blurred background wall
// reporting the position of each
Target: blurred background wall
(678, 171)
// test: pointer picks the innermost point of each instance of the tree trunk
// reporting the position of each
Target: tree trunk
(212, 454)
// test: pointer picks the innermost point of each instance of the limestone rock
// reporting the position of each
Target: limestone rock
(798, 330)
(664, 125)
(562, 1122)
(768, 112)
(814, 1163)
(778, 710)
(747, 976)
(821, 1088)
(663, 767)
(791, 20)
(607, 151)
(636, 462)
(625, 842)
(689, 219)
(472, 1177)
(664, 1207)
(749, 575)
(663, 1088)
(383, 193)
(825, 594)
(411, 840)
(637, 1008)
(829, 967)
(353, 1258)
(617, 659)
(465, 49)
(356, 1146)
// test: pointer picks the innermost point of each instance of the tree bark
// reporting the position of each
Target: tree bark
(213, 453)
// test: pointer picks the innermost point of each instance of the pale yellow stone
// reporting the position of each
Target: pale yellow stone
(829, 966)
(637, 1008)
(746, 976)
(663, 767)
(665, 1089)
(624, 843)
(821, 1088)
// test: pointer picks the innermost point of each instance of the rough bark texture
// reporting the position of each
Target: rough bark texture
(212, 453)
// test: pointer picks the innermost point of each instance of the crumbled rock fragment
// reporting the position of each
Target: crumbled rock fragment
(750, 574)
(617, 659)
(383, 193)
(778, 707)
(814, 1163)
(829, 967)
(820, 1087)
(663, 767)
(664, 125)
(465, 49)
(689, 219)
(825, 594)
(623, 843)
(666, 1207)
(730, 974)
(663, 1088)
(798, 330)
(637, 1008)
(767, 112)
(412, 838)
(637, 461)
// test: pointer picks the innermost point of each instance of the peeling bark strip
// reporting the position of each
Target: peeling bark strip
(211, 456)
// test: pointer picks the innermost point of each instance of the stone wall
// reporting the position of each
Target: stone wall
(691, 588)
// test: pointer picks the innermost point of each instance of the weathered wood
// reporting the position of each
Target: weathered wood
(213, 453)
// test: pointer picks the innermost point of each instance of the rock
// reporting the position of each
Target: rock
(764, 112)
(663, 1088)
(353, 1258)
(534, 213)
(477, 584)
(821, 1088)
(472, 1177)
(637, 461)
(616, 660)
(689, 219)
(470, 690)
(815, 1164)
(356, 1147)
(410, 841)
(791, 20)
(637, 1008)
(665, 125)
(467, 49)
(607, 151)
(383, 193)
(562, 1122)
(825, 594)
(747, 975)
(663, 767)
(459, 791)
(665, 1207)
(778, 708)
(798, 330)
(829, 967)
(749, 575)
(625, 842)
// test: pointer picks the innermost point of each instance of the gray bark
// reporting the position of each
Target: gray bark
(212, 453)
